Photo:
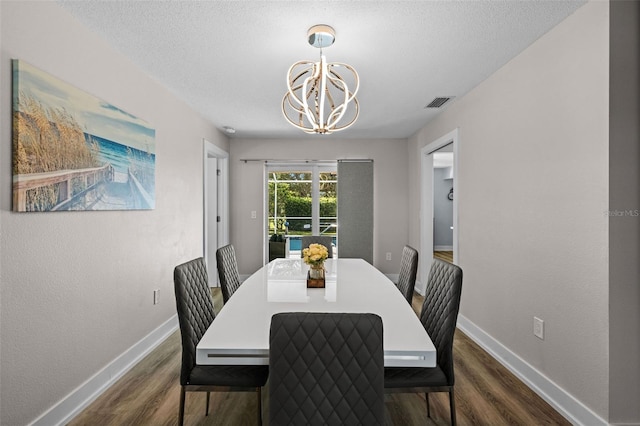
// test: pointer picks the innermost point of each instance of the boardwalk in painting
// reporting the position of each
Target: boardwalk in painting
(122, 193)
(108, 196)
(73, 151)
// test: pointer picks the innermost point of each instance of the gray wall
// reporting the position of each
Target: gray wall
(536, 243)
(77, 287)
(442, 209)
(624, 207)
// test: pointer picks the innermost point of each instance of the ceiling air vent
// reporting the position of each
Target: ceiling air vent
(438, 102)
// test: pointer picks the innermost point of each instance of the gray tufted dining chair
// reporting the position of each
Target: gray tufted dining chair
(227, 271)
(325, 240)
(195, 314)
(326, 369)
(408, 271)
(438, 316)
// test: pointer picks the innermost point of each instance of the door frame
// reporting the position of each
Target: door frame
(221, 163)
(426, 203)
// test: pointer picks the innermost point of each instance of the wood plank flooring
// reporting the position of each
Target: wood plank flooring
(486, 394)
(447, 256)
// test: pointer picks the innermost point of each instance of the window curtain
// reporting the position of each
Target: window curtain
(355, 209)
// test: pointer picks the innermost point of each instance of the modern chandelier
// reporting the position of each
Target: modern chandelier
(319, 93)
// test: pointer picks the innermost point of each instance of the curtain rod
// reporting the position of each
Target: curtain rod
(345, 160)
(265, 160)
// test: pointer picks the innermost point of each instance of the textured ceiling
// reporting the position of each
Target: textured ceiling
(228, 59)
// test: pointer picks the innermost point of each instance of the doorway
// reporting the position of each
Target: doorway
(215, 206)
(427, 216)
(443, 203)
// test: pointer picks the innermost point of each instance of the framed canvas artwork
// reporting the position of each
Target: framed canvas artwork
(74, 151)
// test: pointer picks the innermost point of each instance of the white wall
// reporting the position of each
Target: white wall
(77, 287)
(390, 203)
(533, 189)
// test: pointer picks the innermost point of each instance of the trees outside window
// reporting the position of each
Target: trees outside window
(291, 202)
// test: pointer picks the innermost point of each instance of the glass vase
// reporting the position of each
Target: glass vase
(316, 272)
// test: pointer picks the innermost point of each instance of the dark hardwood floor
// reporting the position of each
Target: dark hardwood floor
(486, 394)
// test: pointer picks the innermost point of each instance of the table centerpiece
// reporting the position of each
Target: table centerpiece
(314, 256)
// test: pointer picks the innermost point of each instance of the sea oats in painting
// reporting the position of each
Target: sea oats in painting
(74, 151)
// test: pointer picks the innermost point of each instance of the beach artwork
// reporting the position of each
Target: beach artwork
(74, 151)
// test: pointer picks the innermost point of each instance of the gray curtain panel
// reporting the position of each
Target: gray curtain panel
(355, 209)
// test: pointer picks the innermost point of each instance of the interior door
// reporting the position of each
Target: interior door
(215, 205)
(212, 219)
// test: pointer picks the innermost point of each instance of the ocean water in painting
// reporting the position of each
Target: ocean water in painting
(121, 157)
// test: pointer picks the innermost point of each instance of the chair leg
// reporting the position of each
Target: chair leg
(426, 397)
(208, 396)
(259, 390)
(452, 407)
(181, 415)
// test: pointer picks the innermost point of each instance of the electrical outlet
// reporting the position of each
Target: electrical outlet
(388, 255)
(538, 328)
(254, 214)
(156, 297)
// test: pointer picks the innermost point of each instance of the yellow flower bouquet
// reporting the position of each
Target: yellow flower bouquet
(315, 255)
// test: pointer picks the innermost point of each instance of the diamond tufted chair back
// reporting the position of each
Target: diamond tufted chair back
(195, 310)
(325, 240)
(227, 271)
(326, 369)
(408, 272)
(195, 314)
(440, 311)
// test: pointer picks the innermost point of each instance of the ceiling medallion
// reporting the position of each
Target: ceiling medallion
(318, 96)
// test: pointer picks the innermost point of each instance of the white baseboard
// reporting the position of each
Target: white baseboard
(71, 405)
(442, 248)
(563, 402)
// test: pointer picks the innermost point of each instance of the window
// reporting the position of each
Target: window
(301, 200)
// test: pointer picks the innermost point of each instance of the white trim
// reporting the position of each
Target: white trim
(443, 248)
(209, 150)
(426, 202)
(563, 402)
(71, 405)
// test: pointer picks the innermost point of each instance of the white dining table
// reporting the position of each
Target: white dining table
(239, 335)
